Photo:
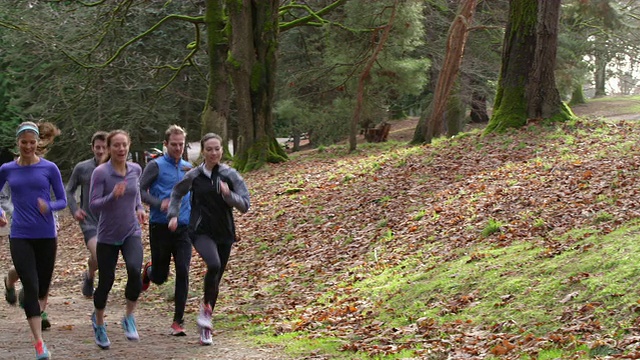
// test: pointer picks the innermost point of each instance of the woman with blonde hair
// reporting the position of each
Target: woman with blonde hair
(33, 234)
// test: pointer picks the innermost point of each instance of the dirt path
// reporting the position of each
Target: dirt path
(71, 334)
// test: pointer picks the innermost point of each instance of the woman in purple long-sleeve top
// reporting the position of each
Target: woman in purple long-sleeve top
(115, 199)
(33, 236)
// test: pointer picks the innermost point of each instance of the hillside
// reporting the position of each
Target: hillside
(388, 248)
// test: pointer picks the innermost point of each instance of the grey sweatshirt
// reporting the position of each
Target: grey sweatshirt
(81, 176)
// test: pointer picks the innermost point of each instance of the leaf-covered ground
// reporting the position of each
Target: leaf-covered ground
(325, 222)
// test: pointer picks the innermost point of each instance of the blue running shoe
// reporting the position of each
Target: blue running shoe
(41, 351)
(93, 321)
(130, 329)
(102, 340)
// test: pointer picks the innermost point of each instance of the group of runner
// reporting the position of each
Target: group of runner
(189, 206)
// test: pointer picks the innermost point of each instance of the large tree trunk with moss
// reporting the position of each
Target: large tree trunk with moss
(252, 64)
(215, 114)
(577, 96)
(526, 88)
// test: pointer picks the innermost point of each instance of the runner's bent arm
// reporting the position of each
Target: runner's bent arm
(58, 189)
(72, 186)
(149, 175)
(180, 190)
(239, 197)
(98, 200)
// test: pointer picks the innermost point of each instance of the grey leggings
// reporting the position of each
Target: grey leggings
(108, 259)
(34, 260)
(216, 257)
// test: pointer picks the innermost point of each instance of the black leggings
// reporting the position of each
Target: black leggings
(34, 260)
(108, 259)
(165, 243)
(216, 257)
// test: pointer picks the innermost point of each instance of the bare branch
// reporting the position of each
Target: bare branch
(187, 61)
(11, 26)
(192, 19)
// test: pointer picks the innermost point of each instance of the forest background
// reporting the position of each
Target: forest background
(329, 69)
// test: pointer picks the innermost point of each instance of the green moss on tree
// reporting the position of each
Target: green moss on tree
(511, 113)
(261, 152)
(257, 73)
(577, 97)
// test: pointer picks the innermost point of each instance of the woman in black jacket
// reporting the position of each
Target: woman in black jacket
(215, 190)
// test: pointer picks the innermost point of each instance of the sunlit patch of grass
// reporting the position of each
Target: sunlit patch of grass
(419, 215)
(602, 216)
(493, 226)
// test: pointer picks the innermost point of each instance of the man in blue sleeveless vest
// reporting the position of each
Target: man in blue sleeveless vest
(156, 183)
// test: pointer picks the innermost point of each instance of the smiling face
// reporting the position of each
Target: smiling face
(212, 152)
(27, 144)
(118, 147)
(175, 146)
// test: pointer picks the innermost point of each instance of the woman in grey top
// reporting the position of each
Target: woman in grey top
(215, 190)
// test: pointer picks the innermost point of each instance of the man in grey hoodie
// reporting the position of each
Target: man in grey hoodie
(81, 176)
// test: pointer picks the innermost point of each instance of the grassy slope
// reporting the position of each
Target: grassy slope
(513, 245)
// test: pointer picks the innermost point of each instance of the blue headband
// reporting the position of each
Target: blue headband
(27, 127)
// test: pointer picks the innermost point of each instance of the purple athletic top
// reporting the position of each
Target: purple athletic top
(28, 183)
(117, 219)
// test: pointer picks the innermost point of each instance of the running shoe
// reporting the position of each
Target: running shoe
(41, 351)
(204, 318)
(46, 324)
(177, 329)
(100, 332)
(130, 329)
(146, 279)
(9, 293)
(93, 321)
(205, 337)
(87, 285)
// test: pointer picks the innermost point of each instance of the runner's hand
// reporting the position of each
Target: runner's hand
(3, 220)
(224, 188)
(43, 206)
(142, 216)
(165, 205)
(79, 215)
(173, 224)
(119, 189)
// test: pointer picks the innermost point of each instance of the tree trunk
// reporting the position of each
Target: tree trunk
(216, 110)
(577, 97)
(253, 46)
(458, 34)
(526, 87)
(600, 75)
(542, 94)
(366, 73)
